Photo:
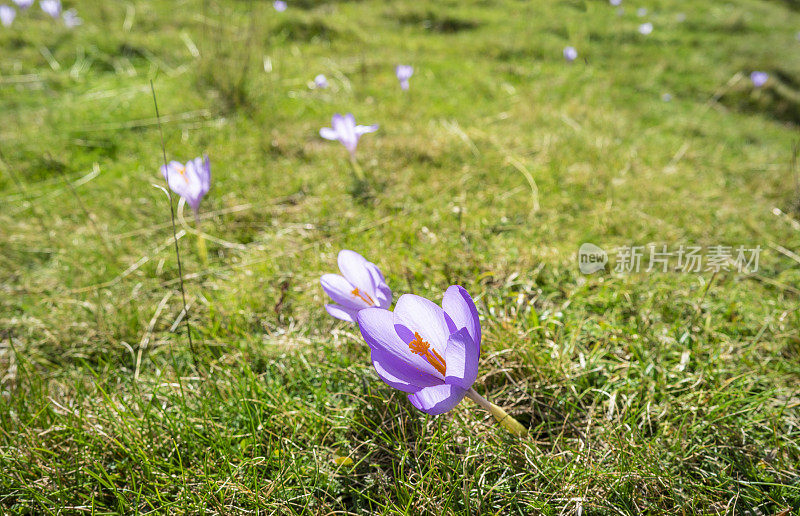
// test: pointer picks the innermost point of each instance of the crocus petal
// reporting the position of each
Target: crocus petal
(354, 269)
(391, 380)
(51, 7)
(205, 173)
(377, 275)
(179, 183)
(377, 328)
(383, 294)
(340, 312)
(328, 133)
(437, 399)
(7, 15)
(460, 307)
(337, 121)
(344, 126)
(404, 72)
(71, 18)
(417, 314)
(364, 129)
(341, 291)
(759, 78)
(398, 374)
(462, 360)
(194, 189)
(171, 169)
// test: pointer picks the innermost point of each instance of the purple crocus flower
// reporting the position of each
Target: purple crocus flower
(344, 129)
(570, 54)
(361, 285)
(428, 351)
(51, 7)
(279, 5)
(759, 79)
(191, 181)
(641, 12)
(320, 81)
(7, 15)
(645, 28)
(23, 4)
(71, 18)
(404, 73)
(615, 2)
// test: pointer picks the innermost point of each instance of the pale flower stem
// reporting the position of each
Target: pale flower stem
(174, 232)
(201, 241)
(356, 168)
(501, 416)
(480, 400)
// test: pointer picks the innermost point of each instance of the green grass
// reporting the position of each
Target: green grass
(657, 393)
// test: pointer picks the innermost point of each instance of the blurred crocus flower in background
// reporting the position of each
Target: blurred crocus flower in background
(666, 97)
(279, 5)
(404, 73)
(71, 18)
(23, 4)
(51, 7)
(570, 54)
(344, 129)
(191, 181)
(641, 12)
(645, 28)
(320, 81)
(361, 285)
(7, 15)
(759, 79)
(615, 2)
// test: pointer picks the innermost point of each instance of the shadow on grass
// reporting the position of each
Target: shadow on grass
(433, 21)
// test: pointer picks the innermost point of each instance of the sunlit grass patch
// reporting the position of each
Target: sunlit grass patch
(655, 392)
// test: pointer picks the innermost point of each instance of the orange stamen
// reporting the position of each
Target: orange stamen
(182, 171)
(364, 296)
(423, 349)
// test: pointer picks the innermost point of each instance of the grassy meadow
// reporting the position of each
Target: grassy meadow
(644, 393)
